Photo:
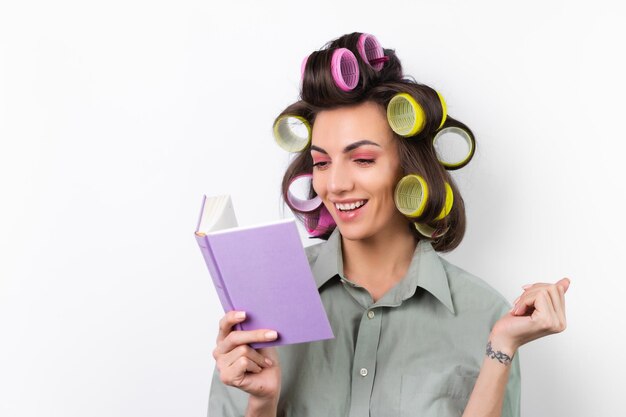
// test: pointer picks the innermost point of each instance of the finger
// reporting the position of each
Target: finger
(563, 315)
(535, 285)
(555, 298)
(528, 302)
(565, 282)
(270, 354)
(237, 337)
(544, 315)
(228, 321)
(234, 375)
(231, 357)
(523, 304)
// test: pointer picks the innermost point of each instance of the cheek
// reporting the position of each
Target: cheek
(316, 183)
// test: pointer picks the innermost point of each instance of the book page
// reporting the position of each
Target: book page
(217, 214)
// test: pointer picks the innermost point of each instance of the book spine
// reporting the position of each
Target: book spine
(214, 270)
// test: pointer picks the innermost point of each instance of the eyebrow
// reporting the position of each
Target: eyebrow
(348, 148)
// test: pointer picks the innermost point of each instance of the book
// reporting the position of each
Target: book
(262, 270)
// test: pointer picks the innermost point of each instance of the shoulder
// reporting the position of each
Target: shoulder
(470, 292)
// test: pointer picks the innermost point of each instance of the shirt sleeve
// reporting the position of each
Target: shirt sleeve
(225, 401)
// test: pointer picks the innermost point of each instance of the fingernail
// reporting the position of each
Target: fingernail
(269, 362)
(240, 315)
(524, 287)
(271, 335)
(516, 300)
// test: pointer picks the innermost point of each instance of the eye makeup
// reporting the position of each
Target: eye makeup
(364, 155)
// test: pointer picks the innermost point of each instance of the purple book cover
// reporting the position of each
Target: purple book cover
(264, 271)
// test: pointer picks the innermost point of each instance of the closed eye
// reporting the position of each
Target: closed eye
(364, 162)
(320, 165)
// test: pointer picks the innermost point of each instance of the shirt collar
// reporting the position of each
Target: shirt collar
(426, 271)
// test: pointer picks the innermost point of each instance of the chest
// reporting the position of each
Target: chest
(413, 359)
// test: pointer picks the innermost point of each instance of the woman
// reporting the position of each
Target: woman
(414, 334)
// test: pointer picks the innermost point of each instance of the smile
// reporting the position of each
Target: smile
(350, 206)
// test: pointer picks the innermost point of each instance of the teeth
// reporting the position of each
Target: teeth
(350, 206)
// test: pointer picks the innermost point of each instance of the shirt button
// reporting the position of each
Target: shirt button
(363, 372)
(370, 314)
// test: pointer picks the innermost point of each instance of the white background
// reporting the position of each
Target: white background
(116, 116)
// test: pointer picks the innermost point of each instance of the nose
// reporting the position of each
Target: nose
(339, 179)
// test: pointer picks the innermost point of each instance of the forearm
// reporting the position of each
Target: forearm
(488, 394)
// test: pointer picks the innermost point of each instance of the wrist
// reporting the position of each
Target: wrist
(503, 343)
(261, 406)
(500, 349)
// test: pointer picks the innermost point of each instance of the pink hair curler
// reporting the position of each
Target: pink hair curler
(303, 66)
(304, 205)
(370, 50)
(345, 69)
(317, 225)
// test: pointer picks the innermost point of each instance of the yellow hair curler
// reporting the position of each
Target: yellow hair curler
(454, 147)
(405, 116)
(430, 232)
(292, 133)
(449, 201)
(444, 108)
(411, 195)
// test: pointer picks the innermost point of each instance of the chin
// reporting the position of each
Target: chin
(355, 233)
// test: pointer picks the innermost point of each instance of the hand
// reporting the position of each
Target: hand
(256, 372)
(538, 312)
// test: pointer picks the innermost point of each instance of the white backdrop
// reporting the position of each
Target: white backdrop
(116, 116)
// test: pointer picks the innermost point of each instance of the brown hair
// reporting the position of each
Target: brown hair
(417, 154)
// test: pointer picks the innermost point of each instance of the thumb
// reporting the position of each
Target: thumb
(270, 353)
(564, 283)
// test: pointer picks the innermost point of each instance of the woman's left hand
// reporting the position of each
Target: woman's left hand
(538, 312)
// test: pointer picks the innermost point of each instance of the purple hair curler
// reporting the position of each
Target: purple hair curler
(303, 66)
(345, 69)
(319, 224)
(304, 205)
(370, 50)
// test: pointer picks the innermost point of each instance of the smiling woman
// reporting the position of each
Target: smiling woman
(356, 168)
(414, 334)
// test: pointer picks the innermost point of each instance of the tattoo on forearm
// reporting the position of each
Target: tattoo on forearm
(500, 356)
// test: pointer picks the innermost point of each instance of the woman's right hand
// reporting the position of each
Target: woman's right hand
(256, 372)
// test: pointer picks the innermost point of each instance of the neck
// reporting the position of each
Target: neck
(379, 262)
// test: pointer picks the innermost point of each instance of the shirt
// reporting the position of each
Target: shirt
(417, 351)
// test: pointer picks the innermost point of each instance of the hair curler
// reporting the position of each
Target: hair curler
(292, 133)
(454, 147)
(304, 205)
(429, 231)
(448, 205)
(345, 69)
(405, 116)
(444, 109)
(371, 52)
(320, 223)
(303, 66)
(411, 195)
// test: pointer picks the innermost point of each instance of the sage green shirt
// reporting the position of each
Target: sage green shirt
(417, 351)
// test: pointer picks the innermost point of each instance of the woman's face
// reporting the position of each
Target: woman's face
(356, 168)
